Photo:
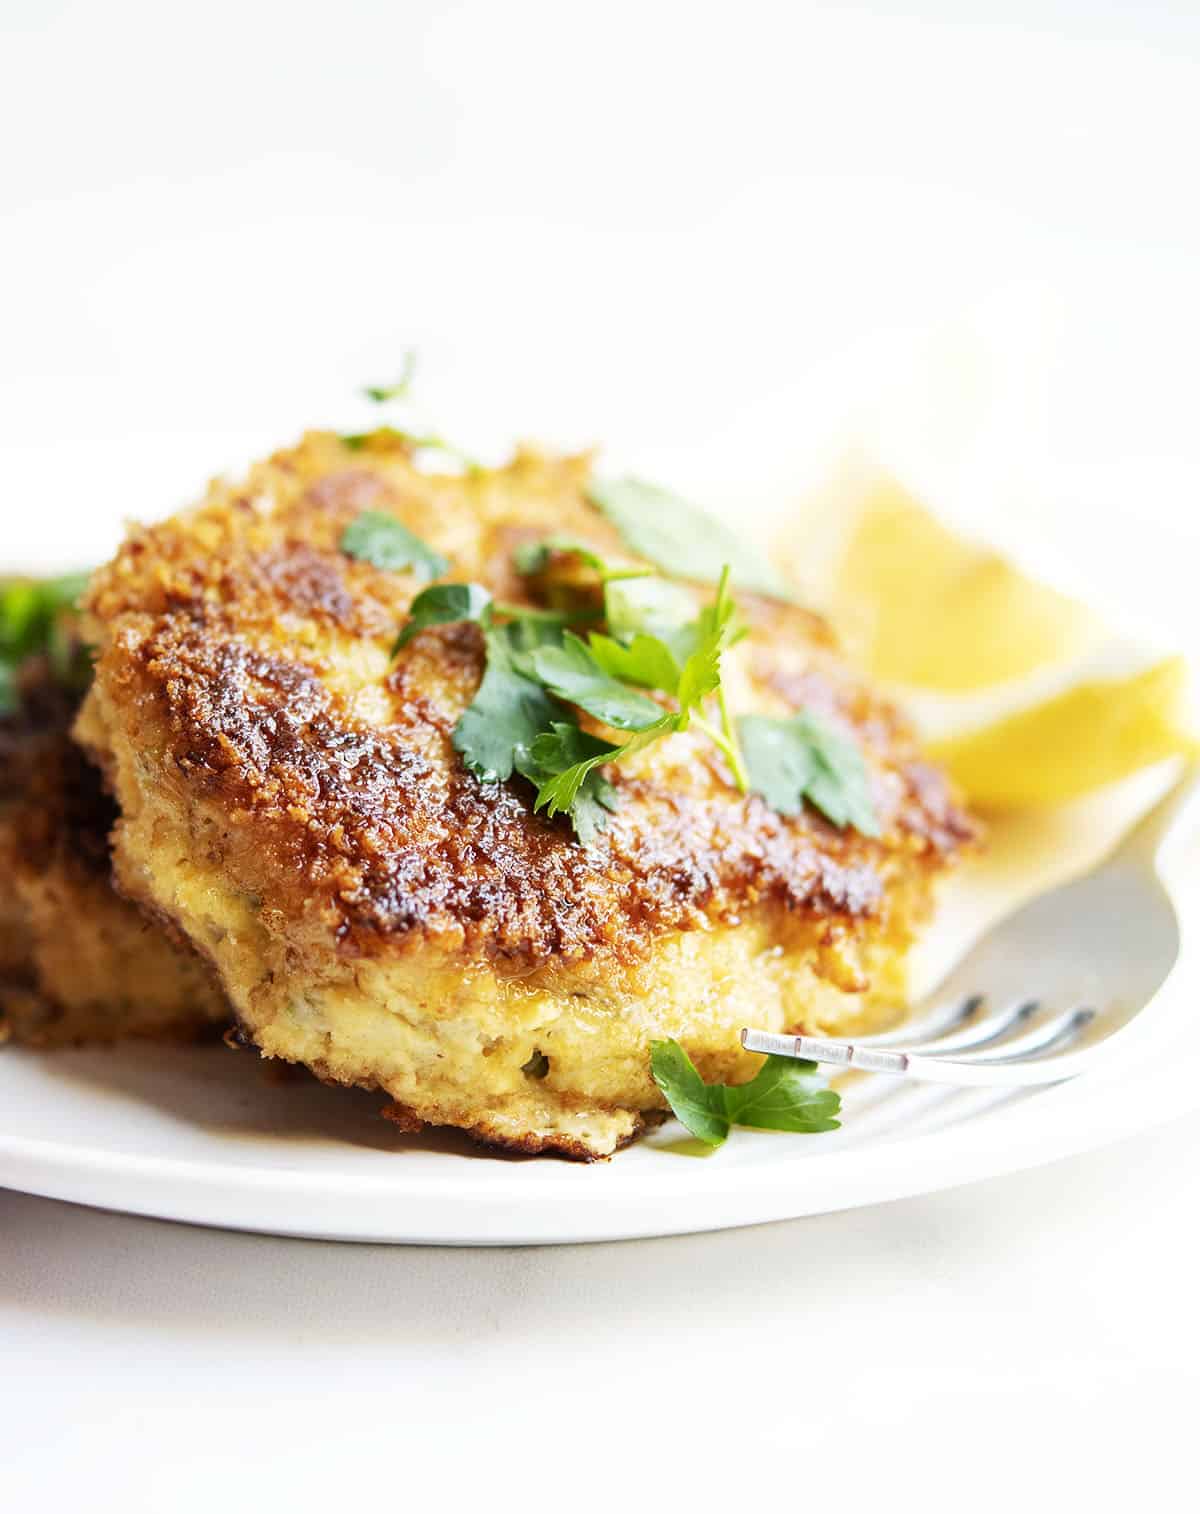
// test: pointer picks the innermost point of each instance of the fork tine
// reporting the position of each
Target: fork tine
(979, 1033)
(1061, 1028)
(940, 1021)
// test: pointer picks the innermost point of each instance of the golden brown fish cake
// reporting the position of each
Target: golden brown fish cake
(77, 963)
(292, 801)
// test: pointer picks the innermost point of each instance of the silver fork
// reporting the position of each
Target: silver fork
(1098, 949)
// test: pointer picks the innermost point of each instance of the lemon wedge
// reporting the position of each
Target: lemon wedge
(1026, 694)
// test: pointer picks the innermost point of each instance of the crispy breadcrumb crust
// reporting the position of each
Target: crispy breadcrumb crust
(251, 716)
(77, 963)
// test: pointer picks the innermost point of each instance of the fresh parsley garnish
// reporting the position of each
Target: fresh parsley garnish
(443, 604)
(383, 394)
(646, 661)
(496, 732)
(540, 674)
(414, 440)
(804, 756)
(564, 765)
(382, 540)
(31, 612)
(785, 1094)
(682, 539)
(653, 605)
(516, 722)
(574, 674)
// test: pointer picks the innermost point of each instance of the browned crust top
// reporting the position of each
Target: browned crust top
(243, 645)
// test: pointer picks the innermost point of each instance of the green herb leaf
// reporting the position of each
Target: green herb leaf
(682, 539)
(570, 671)
(498, 728)
(653, 607)
(691, 1098)
(565, 768)
(383, 394)
(382, 540)
(804, 757)
(714, 631)
(538, 1064)
(31, 612)
(784, 1094)
(646, 661)
(442, 605)
(780, 763)
(564, 763)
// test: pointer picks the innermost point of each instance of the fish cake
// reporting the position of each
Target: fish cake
(292, 802)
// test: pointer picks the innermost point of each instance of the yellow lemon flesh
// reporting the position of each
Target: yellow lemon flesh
(1022, 692)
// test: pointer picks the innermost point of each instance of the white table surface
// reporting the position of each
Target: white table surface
(729, 241)
(1024, 1338)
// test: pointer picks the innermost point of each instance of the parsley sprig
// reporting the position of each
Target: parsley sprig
(515, 722)
(680, 538)
(785, 1094)
(416, 440)
(654, 670)
(32, 615)
(805, 757)
(380, 539)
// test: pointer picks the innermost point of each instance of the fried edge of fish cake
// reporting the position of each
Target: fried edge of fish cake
(291, 802)
(78, 964)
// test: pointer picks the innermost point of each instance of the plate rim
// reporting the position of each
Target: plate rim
(541, 1203)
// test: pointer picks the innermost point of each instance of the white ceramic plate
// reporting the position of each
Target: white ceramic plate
(205, 1136)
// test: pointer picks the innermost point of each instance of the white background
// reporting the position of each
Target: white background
(727, 241)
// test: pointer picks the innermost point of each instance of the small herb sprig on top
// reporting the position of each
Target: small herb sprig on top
(392, 397)
(540, 674)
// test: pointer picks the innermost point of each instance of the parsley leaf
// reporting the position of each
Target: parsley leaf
(498, 728)
(804, 757)
(573, 673)
(381, 539)
(31, 613)
(564, 763)
(646, 661)
(442, 605)
(785, 1094)
(701, 673)
(694, 1102)
(655, 607)
(682, 539)
(382, 394)
(496, 732)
